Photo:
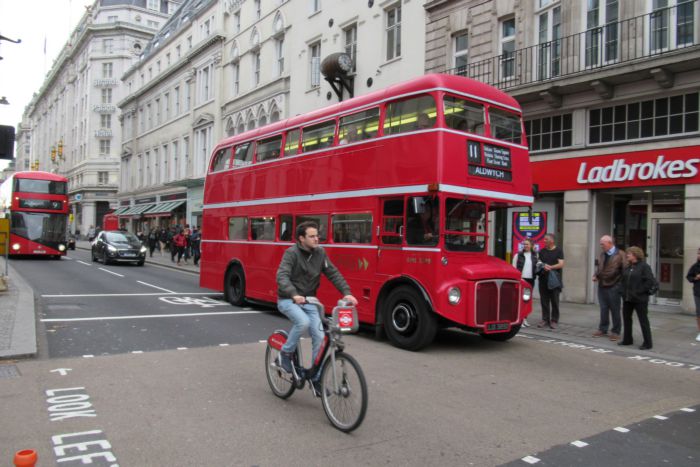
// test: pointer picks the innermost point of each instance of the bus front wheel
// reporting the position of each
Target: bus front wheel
(234, 286)
(408, 321)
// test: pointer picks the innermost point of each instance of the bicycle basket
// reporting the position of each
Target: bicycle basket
(346, 318)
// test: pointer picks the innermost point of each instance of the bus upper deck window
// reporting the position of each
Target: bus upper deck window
(269, 148)
(291, 144)
(243, 155)
(220, 161)
(358, 126)
(318, 136)
(464, 115)
(505, 125)
(414, 114)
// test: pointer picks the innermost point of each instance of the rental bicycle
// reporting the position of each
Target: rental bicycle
(343, 386)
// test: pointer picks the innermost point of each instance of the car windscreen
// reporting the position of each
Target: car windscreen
(121, 237)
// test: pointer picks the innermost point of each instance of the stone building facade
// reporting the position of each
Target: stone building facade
(604, 85)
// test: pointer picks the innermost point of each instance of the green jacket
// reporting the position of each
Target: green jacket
(300, 271)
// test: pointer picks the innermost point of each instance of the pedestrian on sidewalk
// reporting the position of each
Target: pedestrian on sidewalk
(525, 261)
(152, 241)
(637, 281)
(608, 271)
(163, 240)
(171, 244)
(179, 243)
(694, 277)
(195, 240)
(551, 263)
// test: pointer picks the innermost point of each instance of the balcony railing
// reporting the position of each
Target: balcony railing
(655, 34)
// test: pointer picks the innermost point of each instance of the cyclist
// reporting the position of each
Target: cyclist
(299, 276)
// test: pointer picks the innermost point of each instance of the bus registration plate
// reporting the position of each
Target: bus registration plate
(39, 252)
(497, 326)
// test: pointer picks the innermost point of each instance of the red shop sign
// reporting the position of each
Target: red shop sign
(671, 166)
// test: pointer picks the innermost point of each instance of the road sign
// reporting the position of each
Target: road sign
(79, 197)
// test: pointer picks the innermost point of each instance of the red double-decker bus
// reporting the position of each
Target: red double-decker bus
(37, 205)
(402, 183)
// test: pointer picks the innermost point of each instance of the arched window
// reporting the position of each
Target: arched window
(230, 128)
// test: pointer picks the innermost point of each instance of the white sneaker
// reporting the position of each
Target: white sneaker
(525, 323)
(698, 338)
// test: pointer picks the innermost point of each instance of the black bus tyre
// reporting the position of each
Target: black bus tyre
(408, 321)
(502, 336)
(346, 404)
(234, 286)
(280, 381)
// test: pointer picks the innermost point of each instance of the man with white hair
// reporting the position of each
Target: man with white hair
(608, 272)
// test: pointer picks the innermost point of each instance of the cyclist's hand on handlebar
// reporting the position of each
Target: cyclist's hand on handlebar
(351, 299)
(298, 299)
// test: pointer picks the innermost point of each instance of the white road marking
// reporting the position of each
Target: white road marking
(155, 286)
(660, 417)
(83, 262)
(137, 351)
(181, 315)
(579, 444)
(107, 270)
(531, 459)
(622, 429)
(88, 356)
(264, 341)
(182, 348)
(128, 294)
(223, 345)
(687, 409)
(61, 371)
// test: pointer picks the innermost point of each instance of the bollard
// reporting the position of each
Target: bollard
(25, 458)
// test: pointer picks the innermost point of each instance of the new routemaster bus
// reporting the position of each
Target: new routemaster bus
(401, 183)
(37, 205)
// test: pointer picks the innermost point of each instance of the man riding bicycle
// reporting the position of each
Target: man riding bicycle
(299, 276)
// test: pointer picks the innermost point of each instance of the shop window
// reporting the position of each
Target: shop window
(352, 228)
(238, 228)
(549, 132)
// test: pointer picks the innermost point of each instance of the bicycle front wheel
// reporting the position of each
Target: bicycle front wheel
(344, 392)
(281, 382)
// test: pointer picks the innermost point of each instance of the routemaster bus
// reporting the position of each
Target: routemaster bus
(401, 182)
(37, 205)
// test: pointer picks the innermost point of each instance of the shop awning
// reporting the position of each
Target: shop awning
(138, 209)
(121, 210)
(164, 208)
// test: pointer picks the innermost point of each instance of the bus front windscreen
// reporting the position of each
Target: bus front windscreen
(465, 223)
(28, 185)
(39, 227)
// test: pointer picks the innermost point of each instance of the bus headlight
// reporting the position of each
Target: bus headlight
(527, 294)
(111, 249)
(15, 246)
(454, 295)
(61, 247)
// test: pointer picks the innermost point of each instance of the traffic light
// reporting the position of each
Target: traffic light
(53, 153)
(60, 149)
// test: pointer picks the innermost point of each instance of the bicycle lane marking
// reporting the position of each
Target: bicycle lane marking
(601, 350)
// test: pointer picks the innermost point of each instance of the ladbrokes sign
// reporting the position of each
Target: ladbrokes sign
(643, 168)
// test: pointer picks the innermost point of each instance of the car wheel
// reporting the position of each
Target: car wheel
(141, 263)
(94, 258)
(105, 260)
(408, 321)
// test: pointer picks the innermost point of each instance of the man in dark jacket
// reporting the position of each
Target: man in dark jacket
(693, 276)
(298, 277)
(608, 272)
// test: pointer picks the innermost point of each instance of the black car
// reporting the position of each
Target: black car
(115, 246)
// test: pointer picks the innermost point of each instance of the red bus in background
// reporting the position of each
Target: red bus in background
(401, 182)
(37, 205)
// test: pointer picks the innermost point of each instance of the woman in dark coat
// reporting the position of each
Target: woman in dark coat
(637, 280)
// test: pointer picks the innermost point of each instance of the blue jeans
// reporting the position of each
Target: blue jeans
(303, 317)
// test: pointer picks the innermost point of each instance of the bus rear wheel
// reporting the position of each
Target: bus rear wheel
(502, 336)
(408, 321)
(234, 286)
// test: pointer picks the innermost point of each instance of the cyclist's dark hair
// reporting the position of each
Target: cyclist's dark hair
(304, 226)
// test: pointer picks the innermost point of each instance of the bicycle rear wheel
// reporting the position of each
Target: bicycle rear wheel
(281, 382)
(345, 395)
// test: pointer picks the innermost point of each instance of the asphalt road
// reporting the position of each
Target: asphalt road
(462, 401)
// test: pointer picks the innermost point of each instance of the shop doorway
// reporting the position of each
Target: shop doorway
(666, 258)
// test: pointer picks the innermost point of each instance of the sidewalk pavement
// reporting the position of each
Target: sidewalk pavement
(673, 332)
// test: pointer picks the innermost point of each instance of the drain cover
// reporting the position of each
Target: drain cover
(9, 371)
